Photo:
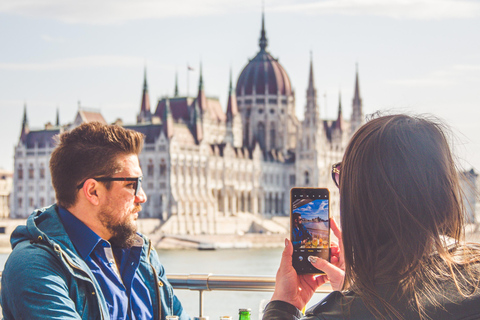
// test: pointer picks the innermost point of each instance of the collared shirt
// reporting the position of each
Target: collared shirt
(126, 294)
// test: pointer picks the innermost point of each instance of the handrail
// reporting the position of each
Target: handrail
(207, 282)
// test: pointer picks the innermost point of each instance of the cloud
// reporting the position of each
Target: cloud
(81, 62)
(107, 12)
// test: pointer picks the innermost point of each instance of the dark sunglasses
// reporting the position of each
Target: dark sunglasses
(336, 173)
(136, 186)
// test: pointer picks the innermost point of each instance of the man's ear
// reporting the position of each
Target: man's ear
(91, 191)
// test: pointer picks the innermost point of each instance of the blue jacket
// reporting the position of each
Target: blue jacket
(45, 278)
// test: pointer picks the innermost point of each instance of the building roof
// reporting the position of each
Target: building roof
(263, 74)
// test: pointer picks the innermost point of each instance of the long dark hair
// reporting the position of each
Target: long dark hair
(400, 203)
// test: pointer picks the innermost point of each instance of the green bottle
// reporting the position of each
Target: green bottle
(244, 314)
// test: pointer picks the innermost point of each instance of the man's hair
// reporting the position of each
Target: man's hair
(89, 151)
(399, 197)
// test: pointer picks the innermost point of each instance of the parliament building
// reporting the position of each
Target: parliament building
(209, 169)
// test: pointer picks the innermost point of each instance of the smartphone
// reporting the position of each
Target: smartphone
(309, 227)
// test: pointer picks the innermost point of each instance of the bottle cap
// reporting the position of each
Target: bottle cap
(245, 310)
(201, 318)
(171, 318)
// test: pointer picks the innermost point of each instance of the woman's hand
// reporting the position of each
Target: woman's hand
(335, 269)
(290, 287)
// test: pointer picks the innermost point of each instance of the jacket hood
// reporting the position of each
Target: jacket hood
(42, 225)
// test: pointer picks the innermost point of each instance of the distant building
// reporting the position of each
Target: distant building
(204, 167)
(6, 182)
(468, 180)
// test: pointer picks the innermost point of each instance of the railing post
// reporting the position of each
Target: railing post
(200, 313)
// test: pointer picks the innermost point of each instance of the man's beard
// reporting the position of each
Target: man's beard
(123, 232)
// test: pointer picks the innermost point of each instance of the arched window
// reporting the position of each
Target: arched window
(272, 136)
(261, 135)
(307, 178)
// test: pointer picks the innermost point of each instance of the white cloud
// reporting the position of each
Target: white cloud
(119, 11)
(81, 62)
(47, 38)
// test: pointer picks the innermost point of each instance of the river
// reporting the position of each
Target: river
(260, 262)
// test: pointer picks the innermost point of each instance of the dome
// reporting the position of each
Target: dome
(263, 73)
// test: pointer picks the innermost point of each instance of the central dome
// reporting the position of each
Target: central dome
(263, 74)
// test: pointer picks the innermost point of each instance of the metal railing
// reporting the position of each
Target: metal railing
(209, 282)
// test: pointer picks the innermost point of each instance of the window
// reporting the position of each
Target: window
(163, 168)
(31, 173)
(42, 202)
(261, 135)
(20, 173)
(20, 202)
(30, 202)
(307, 178)
(42, 172)
(272, 136)
(150, 168)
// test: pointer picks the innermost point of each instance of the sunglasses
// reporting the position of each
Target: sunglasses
(336, 173)
(136, 186)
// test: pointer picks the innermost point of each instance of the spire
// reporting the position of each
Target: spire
(357, 112)
(57, 121)
(339, 122)
(145, 115)
(201, 98)
(311, 81)
(312, 114)
(176, 84)
(200, 81)
(25, 128)
(232, 107)
(263, 38)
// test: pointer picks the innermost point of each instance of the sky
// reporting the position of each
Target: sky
(314, 209)
(418, 56)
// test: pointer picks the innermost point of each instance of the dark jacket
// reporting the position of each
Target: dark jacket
(349, 306)
(45, 278)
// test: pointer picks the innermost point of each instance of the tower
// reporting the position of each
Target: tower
(145, 115)
(357, 118)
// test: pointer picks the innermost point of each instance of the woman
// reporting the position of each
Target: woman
(400, 255)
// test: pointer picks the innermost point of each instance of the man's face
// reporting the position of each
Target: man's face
(119, 213)
(298, 221)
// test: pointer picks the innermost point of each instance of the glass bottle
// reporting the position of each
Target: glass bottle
(244, 314)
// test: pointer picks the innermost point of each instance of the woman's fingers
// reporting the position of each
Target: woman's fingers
(334, 274)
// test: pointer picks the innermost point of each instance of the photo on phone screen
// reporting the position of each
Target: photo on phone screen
(309, 227)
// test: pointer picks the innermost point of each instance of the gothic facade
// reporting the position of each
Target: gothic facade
(210, 171)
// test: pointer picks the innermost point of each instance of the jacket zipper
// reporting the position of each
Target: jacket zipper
(158, 282)
(67, 259)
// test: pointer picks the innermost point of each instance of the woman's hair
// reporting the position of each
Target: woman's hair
(400, 201)
(88, 151)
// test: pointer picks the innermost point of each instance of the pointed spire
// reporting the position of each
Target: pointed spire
(201, 98)
(339, 122)
(57, 121)
(200, 81)
(312, 113)
(311, 81)
(25, 127)
(232, 107)
(145, 114)
(357, 118)
(263, 37)
(176, 85)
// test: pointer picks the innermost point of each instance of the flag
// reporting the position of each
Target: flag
(190, 68)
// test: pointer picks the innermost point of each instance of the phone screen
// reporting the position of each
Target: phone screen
(309, 227)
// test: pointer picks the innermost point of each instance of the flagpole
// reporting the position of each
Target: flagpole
(188, 79)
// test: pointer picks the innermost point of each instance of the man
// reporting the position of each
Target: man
(82, 257)
(299, 231)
